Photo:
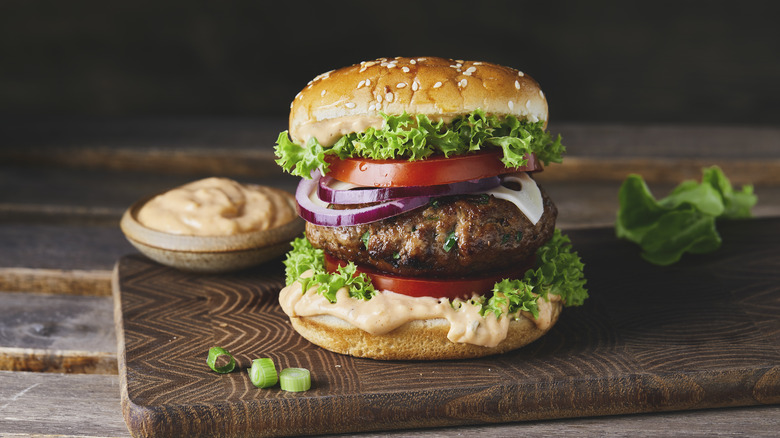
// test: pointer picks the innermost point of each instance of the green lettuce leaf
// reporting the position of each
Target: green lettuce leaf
(304, 257)
(558, 271)
(417, 137)
(685, 220)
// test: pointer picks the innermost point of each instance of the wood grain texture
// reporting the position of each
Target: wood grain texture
(75, 405)
(57, 333)
(700, 334)
(60, 405)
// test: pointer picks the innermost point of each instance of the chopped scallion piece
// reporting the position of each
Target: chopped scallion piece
(451, 242)
(295, 379)
(214, 354)
(263, 373)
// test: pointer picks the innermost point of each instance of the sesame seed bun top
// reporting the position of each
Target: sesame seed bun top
(351, 99)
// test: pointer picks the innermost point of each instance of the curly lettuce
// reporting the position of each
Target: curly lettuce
(415, 137)
(558, 270)
(304, 257)
(685, 220)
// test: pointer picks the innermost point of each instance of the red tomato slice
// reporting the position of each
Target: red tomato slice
(428, 172)
(422, 287)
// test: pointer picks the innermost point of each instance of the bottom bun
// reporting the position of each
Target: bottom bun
(415, 340)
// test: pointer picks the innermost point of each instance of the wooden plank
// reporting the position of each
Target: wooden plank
(57, 281)
(51, 404)
(664, 153)
(92, 196)
(663, 170)
(59, 259)
(54, 333)
(701, 334)
(74, 405)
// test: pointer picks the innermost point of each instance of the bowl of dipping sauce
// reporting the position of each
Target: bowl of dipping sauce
(213, 225)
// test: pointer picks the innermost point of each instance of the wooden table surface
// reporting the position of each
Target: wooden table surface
(64, 184)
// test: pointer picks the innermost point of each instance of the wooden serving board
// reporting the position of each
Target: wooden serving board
(703, 333)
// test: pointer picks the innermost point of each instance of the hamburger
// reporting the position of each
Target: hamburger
(426, 235)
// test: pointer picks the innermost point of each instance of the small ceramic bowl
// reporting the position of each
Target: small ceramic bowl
(208, 254)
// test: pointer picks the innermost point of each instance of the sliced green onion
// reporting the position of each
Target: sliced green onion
(295, 379)
(263, 373)
(214, 354)
(451, 242)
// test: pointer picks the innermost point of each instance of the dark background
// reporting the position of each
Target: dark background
(705, 62)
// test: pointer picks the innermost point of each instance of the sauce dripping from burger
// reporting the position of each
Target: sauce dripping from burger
(387, 311)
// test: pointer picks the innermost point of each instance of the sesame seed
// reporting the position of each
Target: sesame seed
(379, 98)
(421, 59)
(412, 61)
(415, 86)
(469, 71)
(437, 85)
(401, 85)
(372, 107)
(478, 63)
(361, 83)
(389, 97)
(405, 69)
(517, 84)
(528, 104)
(463, 83)
(350, 104)
(322, 76)
(521, 74)
(323, 92)
(541, 94)
(511, 105)
(368, 82)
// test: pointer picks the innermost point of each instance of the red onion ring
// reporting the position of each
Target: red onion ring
(313, 209)
(365, 195)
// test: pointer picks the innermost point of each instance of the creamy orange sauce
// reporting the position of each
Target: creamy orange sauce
(388, 310)
(327, 132)
(217, 207)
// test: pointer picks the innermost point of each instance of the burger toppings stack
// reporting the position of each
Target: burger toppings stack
(426, 236)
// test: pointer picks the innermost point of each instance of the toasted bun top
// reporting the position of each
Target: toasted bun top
(350, 99)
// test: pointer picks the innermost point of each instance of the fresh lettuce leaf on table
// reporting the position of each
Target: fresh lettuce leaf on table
(684, 221)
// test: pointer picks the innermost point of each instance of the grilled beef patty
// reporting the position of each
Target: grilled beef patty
(453, 236)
